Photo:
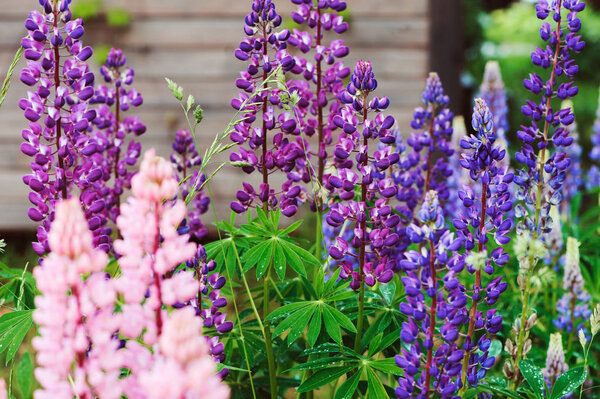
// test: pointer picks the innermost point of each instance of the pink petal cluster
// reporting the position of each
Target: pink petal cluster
(85, 340)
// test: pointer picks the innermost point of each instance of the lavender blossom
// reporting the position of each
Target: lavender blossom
(431, 272)
(265, 50)
(492, 91)
(62, 86)
(188, 162)
(574, 174)
(486, 215)
(555, 360)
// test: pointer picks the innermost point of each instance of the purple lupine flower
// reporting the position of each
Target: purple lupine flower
(435, 305)
(427, 166)
(484, 215)
(573, 307)
(555, 360)
(188, 162)
(324, 72)
(210, 294)
(544, 171)
(574, 173)
(57, 108)
(264, 50)
(593, 178)
(492, 91)
(370, 216)
(112, 129)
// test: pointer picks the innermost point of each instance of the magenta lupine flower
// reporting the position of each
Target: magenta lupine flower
(188, 162)
(269, 138)
(59, 116)
(548, 125)
(323, 73)
(483, 216)
(435, 305)
(116, 151)
(370, 215)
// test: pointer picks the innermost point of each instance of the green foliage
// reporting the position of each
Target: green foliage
(568, 382)
(534, 377)
(24, 376)
(118, 17)
(13, 328)
(86, 9)
(115, 17)
(9, 74)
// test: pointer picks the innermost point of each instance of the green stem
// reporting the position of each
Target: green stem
(360, 322)
(521, 339)
(268, 340)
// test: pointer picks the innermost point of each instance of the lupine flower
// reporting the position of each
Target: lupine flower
(210, 293)
(435, 306)
(555, 360)
(3, 392)
(115, 152)
(188, 162)
(323, 72)
(57, 109)
(574, 174)
(593, 177)
(427, 167)
(372, 225)
(574, 304)
(483, 157)
(532, 179)
(182, 367)
(492, 91)
(265, 50)
(70, 311)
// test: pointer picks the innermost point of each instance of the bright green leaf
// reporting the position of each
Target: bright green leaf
(279, 261)
(287, 309)
(293, 260)
(347, 389)
(568, 382)
(24, 375)
(341, 318)
(331, 325)
(13, 328)
(375, 386)
(265, 260)
(534, 377)
(323, 377)
(315, 327)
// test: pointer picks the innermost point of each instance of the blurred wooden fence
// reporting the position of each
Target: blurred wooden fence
(192, 42)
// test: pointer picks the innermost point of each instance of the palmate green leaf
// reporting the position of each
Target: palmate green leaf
(315, 327)
(568, 382)
(291, 228)
(24, 375)
(319, 283)
(322, 363)
(299, 325)
(388, 365)
(254, 255)
(293, 259)
(347, 389)
(306, 256)
(331, 325)
(534, 377)
(13, 328)
(301, 316)
(279, 260)
(375, 386)
(262, 216)
(341, 318)
(286, 310)
(323, 377)
(388, 291)
(265, 260)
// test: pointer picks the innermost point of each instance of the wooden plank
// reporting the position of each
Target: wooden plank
(18, 9)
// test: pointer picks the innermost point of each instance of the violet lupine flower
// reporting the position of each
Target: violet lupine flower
(563, 42)
(555, 360)
(483, 216)
(428, 167)
(593, 178)
(210, 293)
(324, 71)
(574, 174)
(573, 307)
(57, 108)
(370, 216)
(492, 91)
(188, 162)
(115, 152)
(265, 50)
(432, 273)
